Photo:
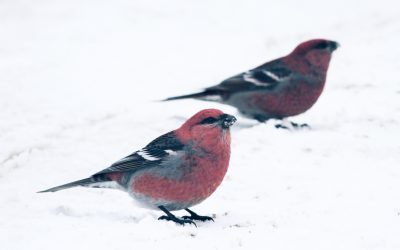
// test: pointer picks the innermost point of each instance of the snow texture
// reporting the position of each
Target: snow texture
(79, 84)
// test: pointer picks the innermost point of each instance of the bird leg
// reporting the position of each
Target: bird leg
(170, 217)
(194, 216)
(260, 118)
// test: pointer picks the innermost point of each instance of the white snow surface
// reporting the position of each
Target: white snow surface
(79, 88)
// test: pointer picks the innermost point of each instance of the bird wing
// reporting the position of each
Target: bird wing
(266, 76)
(151, 155)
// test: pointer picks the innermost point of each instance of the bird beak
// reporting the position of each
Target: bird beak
(227, 120)
(333, 46)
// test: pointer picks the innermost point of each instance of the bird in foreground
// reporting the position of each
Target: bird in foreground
(176, 170)
(278, 89)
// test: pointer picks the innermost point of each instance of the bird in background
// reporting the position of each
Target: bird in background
(278, 89)
(176, 170)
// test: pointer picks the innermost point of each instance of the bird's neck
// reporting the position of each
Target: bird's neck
(311, 63)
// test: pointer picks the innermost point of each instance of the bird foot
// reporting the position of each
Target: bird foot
(177, 220)
(292, 126)
(198, 217)
(194, 216)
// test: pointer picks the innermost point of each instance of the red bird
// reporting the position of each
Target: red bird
(175, 171)
(284, 87)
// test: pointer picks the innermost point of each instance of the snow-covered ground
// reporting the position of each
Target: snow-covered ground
(79, 84)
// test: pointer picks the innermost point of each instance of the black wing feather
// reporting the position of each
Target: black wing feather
(266, 76)
(155, 149)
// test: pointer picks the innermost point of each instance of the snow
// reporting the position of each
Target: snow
(79, 84)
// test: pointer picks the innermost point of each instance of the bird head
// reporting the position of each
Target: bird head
(207, 123)
(316, 52)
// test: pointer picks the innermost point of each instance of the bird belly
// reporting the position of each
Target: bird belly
(154, 203)
(291, 101)
(151, 189)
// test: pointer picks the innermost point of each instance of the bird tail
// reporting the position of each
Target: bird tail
(83, 182)
(208, 94)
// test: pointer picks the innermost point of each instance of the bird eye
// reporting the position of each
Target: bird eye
(322, 45)
(208, 120)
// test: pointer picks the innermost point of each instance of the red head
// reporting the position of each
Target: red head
(206, 125)
(316, 53)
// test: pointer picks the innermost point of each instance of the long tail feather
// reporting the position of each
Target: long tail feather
(83, 182)
(195, 95)
(207, 94)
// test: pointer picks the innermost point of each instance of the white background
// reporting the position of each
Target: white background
(79, 88)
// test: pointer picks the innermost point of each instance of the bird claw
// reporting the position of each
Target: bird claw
(198, 217)
(177, 220)
(194, 216)
(281, 126)
(303, 125)
(293, 125)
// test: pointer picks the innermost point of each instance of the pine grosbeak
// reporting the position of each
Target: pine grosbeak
(284, 87)
(175, 171)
